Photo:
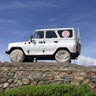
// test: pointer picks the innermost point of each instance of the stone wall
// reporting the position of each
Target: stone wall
(13, 75)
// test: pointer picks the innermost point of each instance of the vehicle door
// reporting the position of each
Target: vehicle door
(37, 45)
(51, 42)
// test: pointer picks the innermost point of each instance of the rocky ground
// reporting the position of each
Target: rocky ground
(19, 74)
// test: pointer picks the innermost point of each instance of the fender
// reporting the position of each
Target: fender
(61, 49)
(13, 48)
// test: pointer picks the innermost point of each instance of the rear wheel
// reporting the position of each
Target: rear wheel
(17, 56)
(62, 56)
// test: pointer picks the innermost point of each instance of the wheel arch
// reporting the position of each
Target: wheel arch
(64, 60)
(14, 48)
(64, 48)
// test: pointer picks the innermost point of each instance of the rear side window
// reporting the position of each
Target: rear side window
(65, 33)
(51, 34)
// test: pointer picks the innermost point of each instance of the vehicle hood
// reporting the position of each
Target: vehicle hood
(16, 44)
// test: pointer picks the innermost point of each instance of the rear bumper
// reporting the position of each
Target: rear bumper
(74, 55)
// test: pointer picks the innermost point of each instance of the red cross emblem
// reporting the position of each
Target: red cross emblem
(65, 34)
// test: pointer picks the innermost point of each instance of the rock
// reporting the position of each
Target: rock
(26, 81)
(10, 81)
(79, 78)
(19, 82)
(68, 79)
(82, 73)
(76, 82)
(35, 75)
(3, 80)
(86, 81)
(94, 80)
(4, 69)
(5, 85)
(12, 85)
(34, 82)
(1, 85)
(58, 77)
(19, 74)
(92, 85)
(10, 74)
(41, 82)
(56, 82)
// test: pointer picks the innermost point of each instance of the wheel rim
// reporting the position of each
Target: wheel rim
(62, 56)
(17, 56)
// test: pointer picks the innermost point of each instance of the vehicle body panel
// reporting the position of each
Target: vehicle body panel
(48, 46)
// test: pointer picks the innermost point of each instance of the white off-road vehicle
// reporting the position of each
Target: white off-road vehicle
(60, 44)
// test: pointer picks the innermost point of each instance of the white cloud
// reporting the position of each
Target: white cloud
(27, 5)
(46, 4)
(86, 61)
(11, 5)
(7, 21)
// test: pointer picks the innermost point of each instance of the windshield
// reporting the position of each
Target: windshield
(39, 34)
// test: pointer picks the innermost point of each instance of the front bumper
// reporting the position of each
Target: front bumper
(7, 52)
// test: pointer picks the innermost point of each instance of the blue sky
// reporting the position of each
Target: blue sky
(19, 18)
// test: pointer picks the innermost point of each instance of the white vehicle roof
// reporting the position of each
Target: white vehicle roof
(54, 29)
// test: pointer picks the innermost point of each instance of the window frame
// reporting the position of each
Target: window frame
(38, 32)
(50, 31)
(60, 33)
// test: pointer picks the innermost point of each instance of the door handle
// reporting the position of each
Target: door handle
(55, 41)
(41, 41)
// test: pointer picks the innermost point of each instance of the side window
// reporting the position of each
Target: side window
(51, 34)
(39, 34)
(65, 33)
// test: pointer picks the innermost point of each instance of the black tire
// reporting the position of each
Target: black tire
(63, 56)
(17, 56)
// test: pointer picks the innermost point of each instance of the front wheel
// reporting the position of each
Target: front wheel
(17, 56)
(62, 56)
